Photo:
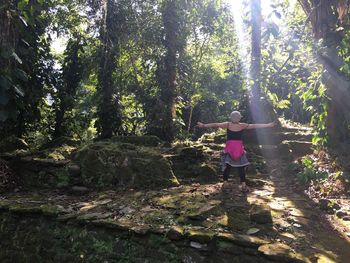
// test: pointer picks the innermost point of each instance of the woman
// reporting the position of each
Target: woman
(234, 153)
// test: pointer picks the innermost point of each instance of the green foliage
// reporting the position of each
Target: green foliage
(25, 65)
(310, 171)
(112, 71)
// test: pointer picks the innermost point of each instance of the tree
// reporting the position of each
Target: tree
(329, 21)
(167, 71)
(26, 64)
(109, 119)
(67, 86)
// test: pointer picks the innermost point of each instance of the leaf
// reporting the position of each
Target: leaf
(283, 104)
(19, 91)
(23, 20)
(22, 4)
(17, 57)
(252, 231)
(25, 42)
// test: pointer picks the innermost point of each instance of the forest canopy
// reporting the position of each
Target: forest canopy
(98, 68)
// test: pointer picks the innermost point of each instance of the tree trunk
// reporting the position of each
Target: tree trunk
(168, 85)
(109, 115)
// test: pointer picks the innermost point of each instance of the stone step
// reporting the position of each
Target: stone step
(297, 136)
(298, 148)
(296, 129)
(262, 137)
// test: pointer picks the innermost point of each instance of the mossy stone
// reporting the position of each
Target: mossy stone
(175, 233)
(52, 210)
(107, 164)
(149, 140)
(200, 236)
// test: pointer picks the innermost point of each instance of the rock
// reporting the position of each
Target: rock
(281, 253)
(93, 216)
(200, 236)
(126, 210)
(25, 209)
(148, 140)
(80, 190)
(346, 218)
(299, 148)
(140, 230)
(253, 231)
(52, 210)
(61, 141)
(198, 245)
(228, 247)
(341, 214)
(67, 217)
(175, 233)
(12, 143)
(103, 201)
(206, 173)
(107, 164)
(260, 214)
(241, 240)
(191, 153)
(74, 170)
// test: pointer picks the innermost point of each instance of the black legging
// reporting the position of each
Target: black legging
(241, 173)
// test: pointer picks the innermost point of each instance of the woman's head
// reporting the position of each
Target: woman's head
(235, 116)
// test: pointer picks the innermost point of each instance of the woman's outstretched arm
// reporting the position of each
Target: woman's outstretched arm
(262, 125)
(217, 125)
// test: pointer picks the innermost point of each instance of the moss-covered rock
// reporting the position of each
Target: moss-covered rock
(191, 153)
(207, 173)
(138, 140)
(40, 173)
(52, 210)
(201, 236)
(282, 253)
(63, 140)
(106, 164)
(12, 143)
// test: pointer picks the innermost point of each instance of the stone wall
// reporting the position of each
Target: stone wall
(34, 237)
